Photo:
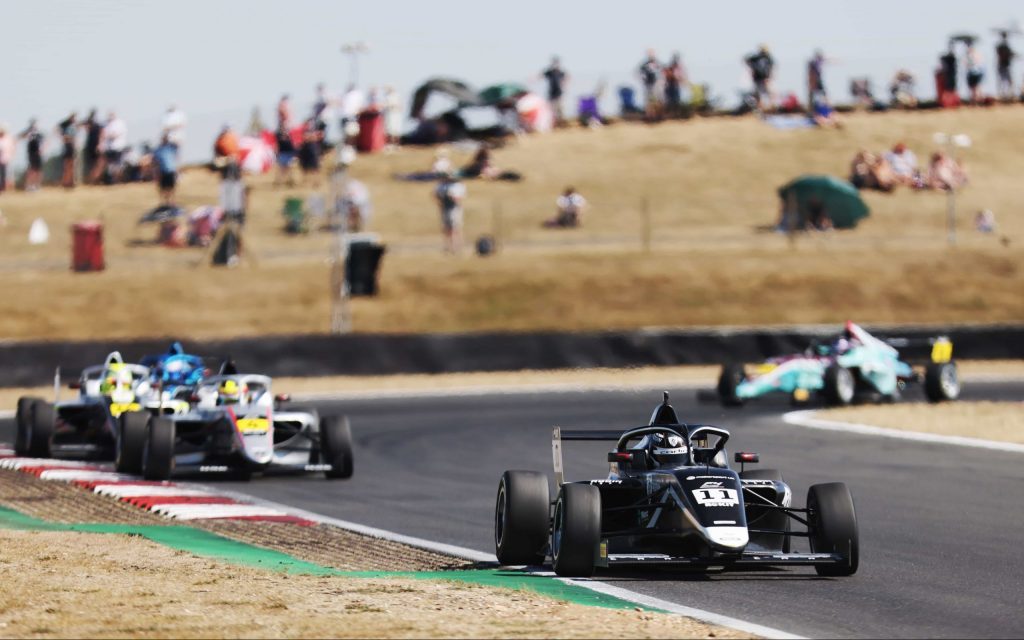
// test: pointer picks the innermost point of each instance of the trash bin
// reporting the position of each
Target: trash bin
(364, 256)
(294, 216)
(87, 246)
(372, 136)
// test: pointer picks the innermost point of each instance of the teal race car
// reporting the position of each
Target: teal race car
(851, 365)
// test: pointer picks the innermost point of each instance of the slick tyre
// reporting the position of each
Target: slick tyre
(767, 518)
(22, 424)
(521, 518)
(840, 386)
(576, 531)
(833, 527)
(131, 442)
(941, 382)
(38, 433)
(158, 452)
(336, 446)
(732, 375)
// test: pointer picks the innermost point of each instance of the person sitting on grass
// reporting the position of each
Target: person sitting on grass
(903, 163)
(823, 114)
(868, 171)
(945, 173)
(570, 210)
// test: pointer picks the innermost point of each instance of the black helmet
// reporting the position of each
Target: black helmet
(668, 448)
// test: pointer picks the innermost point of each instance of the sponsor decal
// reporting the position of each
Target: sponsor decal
(710, 484)
(606, 482)
(251, 426)
(117, 408)
(758, 483)
(716, 497)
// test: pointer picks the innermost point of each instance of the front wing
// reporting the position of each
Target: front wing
(747, 559)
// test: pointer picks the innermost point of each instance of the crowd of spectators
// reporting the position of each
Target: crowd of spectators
(899, 167)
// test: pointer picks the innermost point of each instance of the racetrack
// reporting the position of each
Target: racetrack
(940, 526)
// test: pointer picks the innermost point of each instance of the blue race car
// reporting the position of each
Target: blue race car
(853, 363)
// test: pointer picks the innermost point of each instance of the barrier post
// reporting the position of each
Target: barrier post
(645, 211)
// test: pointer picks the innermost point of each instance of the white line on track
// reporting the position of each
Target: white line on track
(806, 419)
(487, 390)
(480, 556)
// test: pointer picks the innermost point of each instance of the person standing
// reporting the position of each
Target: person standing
(113, 142)
(284, 113)
(91, 148)
(68, 130)
(675, 80)
(34, 141)
(165, 159)
(815, 79)
(556, 78)
(6, 155)
(450, 194)
(309, 152)
(173, 126)
(352, 103)
(649, 71)
(392, 116)
(975, 72)
(1004, 64)
(762, 68)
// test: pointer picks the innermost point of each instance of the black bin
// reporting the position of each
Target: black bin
(361, 267)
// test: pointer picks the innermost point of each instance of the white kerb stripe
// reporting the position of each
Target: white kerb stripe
(18, 463)
(206, 511)
(69, 475)
(134, 491)
(806, 419)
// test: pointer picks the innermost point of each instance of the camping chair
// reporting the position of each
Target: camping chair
(294, 216)
(627, 98)
(587, 110)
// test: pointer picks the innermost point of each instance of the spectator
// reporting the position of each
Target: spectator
(284, 113)
(91, 148)
(68, 130)
(975, 73)
(947, 64)
(556, 78)
(165, 157)
(944, 173)
(352, 103)
(320, 105)
(901, 90)
(309, 152)
(6, 156)
(113, 142)
(173, 126)
(450, 194)
(34, 141)
(863, 95)
(985, 221)
(649, 71)
(823, 114)
(570, 210)
(868, 171)
(903, 163)
(482, 166)
(815, 78)
(675, 80)
(762, 67)
(285, 157)
(226, 147)
(1004, 65)
(392, 116)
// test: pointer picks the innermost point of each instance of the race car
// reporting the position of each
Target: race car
(853, 364)
(88, 424)
(670, 498)
(235, 424)
(174, 369)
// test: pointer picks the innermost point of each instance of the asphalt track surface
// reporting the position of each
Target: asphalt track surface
(940, 526)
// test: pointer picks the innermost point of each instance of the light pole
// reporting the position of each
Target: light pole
(951, 142)
(353, 50)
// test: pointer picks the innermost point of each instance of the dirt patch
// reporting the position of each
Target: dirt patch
(333, 547)
(90, 585)
(988, 420)
(62, 502)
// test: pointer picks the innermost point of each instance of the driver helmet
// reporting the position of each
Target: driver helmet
(668, 448)
(842, 345)
(117, 378)
(229, 392)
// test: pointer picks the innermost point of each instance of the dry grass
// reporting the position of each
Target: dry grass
(987, 420)
(709, 184)
(56, 585)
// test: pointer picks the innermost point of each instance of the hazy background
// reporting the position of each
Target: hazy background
(217, 59)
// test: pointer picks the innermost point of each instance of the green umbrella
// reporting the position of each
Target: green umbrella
(501, 92)
(840, 199)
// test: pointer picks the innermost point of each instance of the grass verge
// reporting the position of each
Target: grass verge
(1003, 421)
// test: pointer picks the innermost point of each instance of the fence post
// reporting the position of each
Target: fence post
(645, 210)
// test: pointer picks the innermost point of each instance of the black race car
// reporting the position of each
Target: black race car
(670, 498)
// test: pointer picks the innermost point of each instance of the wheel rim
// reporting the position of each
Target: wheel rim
(844, 385)
(949, 381)
(499, 516)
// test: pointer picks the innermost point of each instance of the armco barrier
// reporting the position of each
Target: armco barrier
(34, 363)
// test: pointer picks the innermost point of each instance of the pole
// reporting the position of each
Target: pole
(951, 216)
(496, 224)
(645, 209)
(341, 312)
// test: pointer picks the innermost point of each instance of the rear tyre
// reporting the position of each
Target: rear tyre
(22, 423)
(158, 452)
(941, 382)
(39, 434)
(840, 385)
(732, 375)
(336, 446)
(767, 518)
(131, 442)
(833, 527)
(521, 518)
(576, 530)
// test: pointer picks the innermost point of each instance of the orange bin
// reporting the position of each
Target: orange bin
(87, 246)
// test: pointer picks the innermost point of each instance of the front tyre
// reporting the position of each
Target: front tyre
(521, 518)
(576, 530)
(833, 527)
(158, 452)
(731, 377)
(22, 423)
(941, 381)
(131, 441)
(336, 446)
(39, 433)
(840, 386)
